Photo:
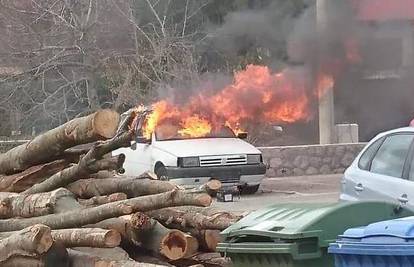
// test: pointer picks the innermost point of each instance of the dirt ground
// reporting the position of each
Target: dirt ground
(318, 188)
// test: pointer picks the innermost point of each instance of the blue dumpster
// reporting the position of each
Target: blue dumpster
(382, 244)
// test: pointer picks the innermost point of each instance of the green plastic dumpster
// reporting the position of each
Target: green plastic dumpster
(298, 234)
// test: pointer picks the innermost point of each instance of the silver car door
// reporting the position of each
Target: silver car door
(385, 181)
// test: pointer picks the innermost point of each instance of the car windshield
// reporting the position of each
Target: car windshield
(172, 132)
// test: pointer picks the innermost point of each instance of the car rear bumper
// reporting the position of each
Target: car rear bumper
(227, 174)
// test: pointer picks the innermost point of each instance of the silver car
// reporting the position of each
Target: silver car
(384, 170)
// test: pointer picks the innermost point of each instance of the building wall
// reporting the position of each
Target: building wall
(309, 159)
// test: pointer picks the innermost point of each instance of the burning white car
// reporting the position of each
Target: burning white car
(192, 161)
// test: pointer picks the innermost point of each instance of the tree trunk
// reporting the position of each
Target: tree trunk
(204, 259)
(87, 237)
(172, 216)
(82, 237)
(172, 244)
(21, 181)
(100, 200)
(26, 206)
(211, 187)
(102, 259)
(78, 218)
(129, 226)
(85, 167)
(48, 146)
(207, 239)
(55, 256)
(211, 211)
(31, 241)
(133, 187)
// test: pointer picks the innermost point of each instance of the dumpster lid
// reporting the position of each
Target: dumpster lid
(323, 221)
(385, 232)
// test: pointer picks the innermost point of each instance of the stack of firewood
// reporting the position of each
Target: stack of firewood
(63, 203)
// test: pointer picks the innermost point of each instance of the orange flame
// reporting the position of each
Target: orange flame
(195, 126)
(324, 84)
(256, 96)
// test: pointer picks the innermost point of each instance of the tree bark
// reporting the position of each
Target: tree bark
(78, 218)
(48, 146)
(85, 167)
(100, 200)
(129, 226)
(31, 241)
(102, 259)
(211, 211)
(55, 256)
(211, 187)
(21, 181)
(26, 206)
(82, 237)
(172, 244)
(87, 237)
(204, 259)
(172, 216)
(207, 239)
(133, 187)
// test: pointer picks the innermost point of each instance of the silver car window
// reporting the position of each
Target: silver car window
(391, 156)
(365, 160)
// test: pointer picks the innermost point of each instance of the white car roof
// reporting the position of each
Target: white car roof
(398, 130)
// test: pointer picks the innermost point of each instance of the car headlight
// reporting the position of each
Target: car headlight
(254, 159)
(189, 162)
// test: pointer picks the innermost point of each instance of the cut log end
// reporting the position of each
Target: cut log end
(214, 185)
(105, 123)
(112, 239)
(204, 200)
(42, 235)
(141, 221)
(177, 245)
(211, 238)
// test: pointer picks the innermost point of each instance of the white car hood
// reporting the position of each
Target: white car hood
(206, 147)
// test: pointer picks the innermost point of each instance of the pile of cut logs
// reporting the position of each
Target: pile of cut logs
(63, 202)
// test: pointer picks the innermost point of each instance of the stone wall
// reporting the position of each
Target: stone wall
(6, 145)
(309, 159)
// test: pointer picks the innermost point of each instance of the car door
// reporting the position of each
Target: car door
(138, 158)
(386, 175)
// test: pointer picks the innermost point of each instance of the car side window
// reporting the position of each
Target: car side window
(365, 159)
(391, 156)
(411, 174)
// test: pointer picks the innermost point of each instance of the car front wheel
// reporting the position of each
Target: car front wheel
(161, 173)
(249, 189)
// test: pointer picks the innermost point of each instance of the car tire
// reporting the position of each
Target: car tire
(161, 173)
(249, 189)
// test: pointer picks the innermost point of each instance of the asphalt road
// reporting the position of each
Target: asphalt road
(319, 188)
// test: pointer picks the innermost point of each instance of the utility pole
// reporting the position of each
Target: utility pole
(326, 96)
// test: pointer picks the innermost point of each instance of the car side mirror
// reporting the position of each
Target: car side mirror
(242, 135)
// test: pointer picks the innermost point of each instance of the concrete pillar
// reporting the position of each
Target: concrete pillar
(326, 99)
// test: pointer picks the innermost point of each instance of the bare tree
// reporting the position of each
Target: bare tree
(64, 57)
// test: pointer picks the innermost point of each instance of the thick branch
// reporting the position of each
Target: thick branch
(100, 200)
(172, 244)
(31, 241)
(18, 205)
(103, 259)
(87, 237)
(133, 187)
(21, 181)
(85, 167)
(172, 216)
(81, 237)
(78, 218)
(47, 146)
